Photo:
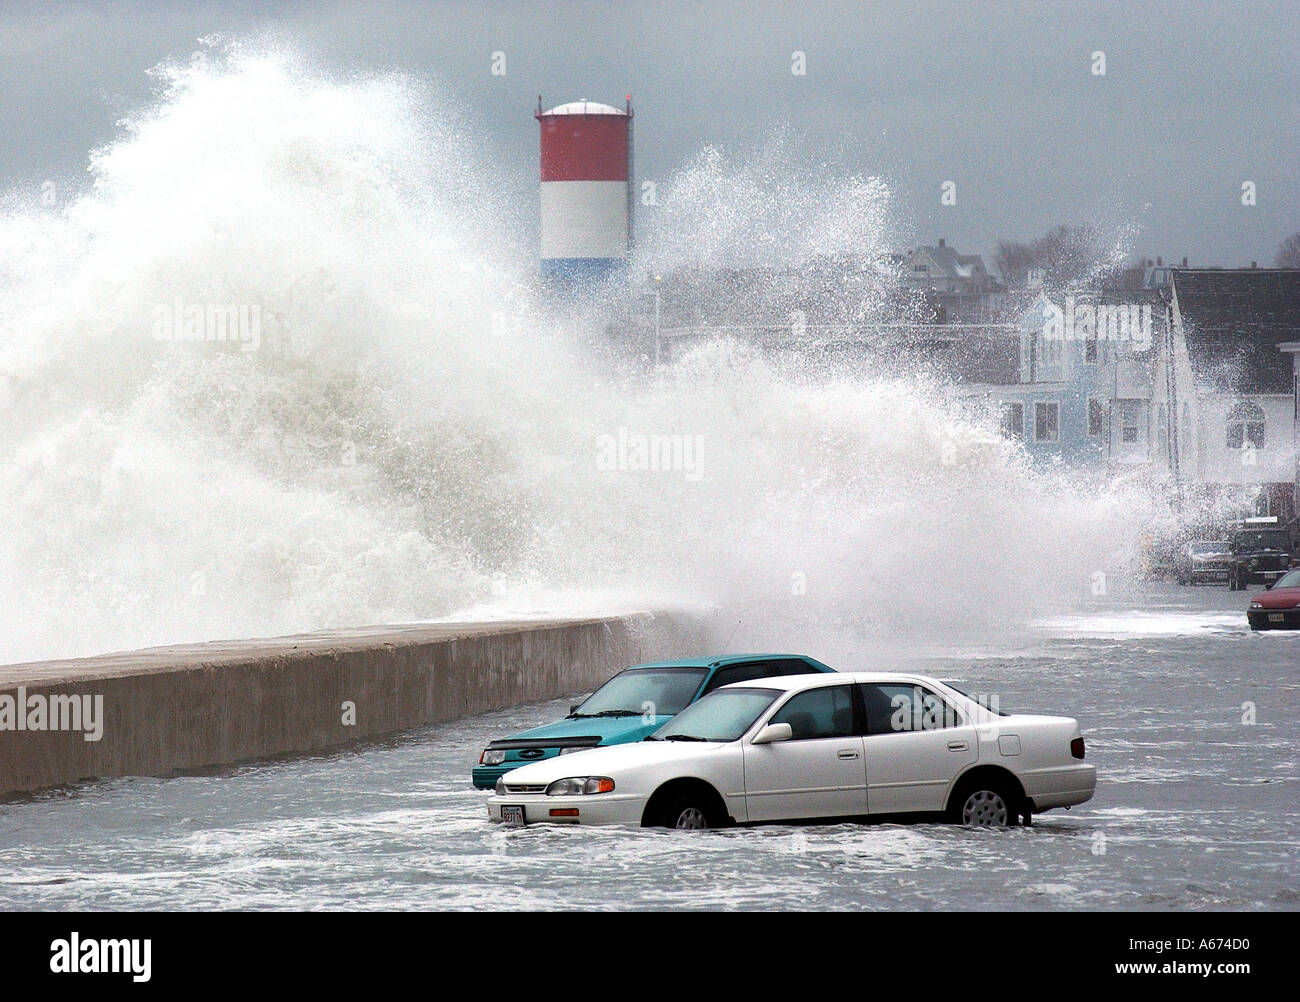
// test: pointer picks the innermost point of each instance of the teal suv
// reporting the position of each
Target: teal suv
(633, 704)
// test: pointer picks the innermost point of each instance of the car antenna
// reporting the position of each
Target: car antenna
(727, 645)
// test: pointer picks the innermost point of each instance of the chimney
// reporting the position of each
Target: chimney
(1184, 261)
(1148, 262)
(1159, 262)
(941, 241)
(1253, 264)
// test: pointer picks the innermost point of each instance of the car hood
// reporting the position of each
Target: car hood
(612, 761)
(610, 730)
(1278, 598)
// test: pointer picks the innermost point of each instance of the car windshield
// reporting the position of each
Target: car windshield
(637, 691)
(1289, 580)
(1274, 540)
(722, 715)
(1209, 548)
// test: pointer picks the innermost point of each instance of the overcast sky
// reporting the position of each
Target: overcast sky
(999, 98)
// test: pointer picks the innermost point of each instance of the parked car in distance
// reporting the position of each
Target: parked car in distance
(828, 746)
(1260, 555)
(634, 703)
(1279, 607)
(1203, 560)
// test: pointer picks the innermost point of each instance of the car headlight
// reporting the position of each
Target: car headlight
(570, 749)
(492, 756)
(500, 788)
(577, 786)
(1256, 605)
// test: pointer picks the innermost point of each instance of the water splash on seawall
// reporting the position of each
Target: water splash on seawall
(410, 439)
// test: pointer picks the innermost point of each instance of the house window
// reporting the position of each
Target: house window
(1049, 349)
(1096, 417)
(1129, 429)
(1047, 422)
(1245, 424)
(1013, 420)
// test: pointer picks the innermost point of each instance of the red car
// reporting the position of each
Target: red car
(1279, 607)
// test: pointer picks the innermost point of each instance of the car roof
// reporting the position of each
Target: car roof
(790, 682)
(726, 659)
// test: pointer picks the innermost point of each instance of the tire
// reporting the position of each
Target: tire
(689, 812)
(985, 804)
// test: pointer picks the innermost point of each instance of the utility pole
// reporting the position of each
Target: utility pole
(658, 280)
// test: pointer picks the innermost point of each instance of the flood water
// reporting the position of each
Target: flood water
(1196, 808)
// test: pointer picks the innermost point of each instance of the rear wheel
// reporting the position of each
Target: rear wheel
(986, 803)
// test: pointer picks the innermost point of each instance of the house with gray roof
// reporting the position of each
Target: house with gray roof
(1225, 391)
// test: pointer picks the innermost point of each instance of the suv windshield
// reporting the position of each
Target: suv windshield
(1263, 540)
(659, 691)
(1199, 548)
(723, 715)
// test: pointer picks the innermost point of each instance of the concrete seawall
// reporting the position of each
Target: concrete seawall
(172, 709)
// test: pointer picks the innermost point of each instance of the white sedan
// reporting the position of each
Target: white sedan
(814, 747)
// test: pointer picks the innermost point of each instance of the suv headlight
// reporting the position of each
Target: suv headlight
(492, 756)
(576, 786)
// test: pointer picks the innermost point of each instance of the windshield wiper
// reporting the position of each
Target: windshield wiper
(606, 713)
(682, 737)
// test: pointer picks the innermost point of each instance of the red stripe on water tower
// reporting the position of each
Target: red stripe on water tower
(584, 147)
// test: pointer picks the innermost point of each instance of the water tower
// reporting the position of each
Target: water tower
(586, 192)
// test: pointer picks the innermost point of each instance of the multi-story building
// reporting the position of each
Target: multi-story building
(1084, 388)
(1224, 387)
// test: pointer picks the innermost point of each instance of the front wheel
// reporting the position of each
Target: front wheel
(689, 813)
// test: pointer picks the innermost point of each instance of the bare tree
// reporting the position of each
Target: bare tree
(1288, 252)
(1066, 255)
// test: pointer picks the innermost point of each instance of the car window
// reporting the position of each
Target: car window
(637, 691)
(747, 671)
(826, 712)
(897, 707)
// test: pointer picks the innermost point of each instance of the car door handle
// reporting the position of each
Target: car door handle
(958, 745)
(848, 753)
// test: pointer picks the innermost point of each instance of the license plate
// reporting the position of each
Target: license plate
(1275, 617)
(512, 815)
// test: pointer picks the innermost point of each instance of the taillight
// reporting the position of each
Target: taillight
(1076, 747)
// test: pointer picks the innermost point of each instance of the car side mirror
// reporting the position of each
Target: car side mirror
(773, 732)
